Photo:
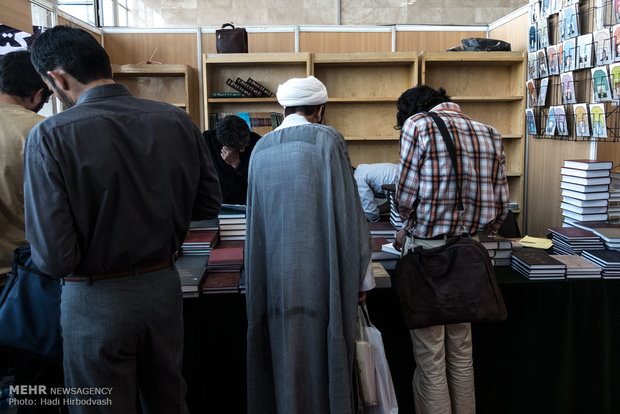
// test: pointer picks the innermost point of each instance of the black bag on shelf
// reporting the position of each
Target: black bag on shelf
(486, 45)
(231, 39)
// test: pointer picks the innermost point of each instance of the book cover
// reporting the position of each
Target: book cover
(226, 94)
(495, 242)
(615, 30)
(542, 94)
(569, 49)
(602, 46)
(551, 122)
(568, 88)
(598, 121)
(585, 164)
(584, 51)
(560, 119)
(586, 196)
(583, 188)
(553, 60)
(535, 259)
(532, 44)
(573, 233)
(614, 78)
(585, 177)
(600, 84)
(532, 65)
(238, 87)
(584, 217)
(531, 122)
(583, 210)
(569, 18)
(532, 94)
(582, 125)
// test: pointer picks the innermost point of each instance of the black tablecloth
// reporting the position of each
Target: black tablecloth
(558, 351)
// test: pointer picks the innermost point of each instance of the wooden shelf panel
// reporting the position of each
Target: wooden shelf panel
(364, 58)
(242, 59)
(363, 100)
(150, 69)
(241, 100)
(487, 98)
(475, 58)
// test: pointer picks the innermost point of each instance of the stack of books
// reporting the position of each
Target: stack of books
(578, 267)
(199, 242)
(573, 240)
(232, 222)
(395, 218)
(224, 268)
(608, 260)
(383, 229)
(499, 249)
(537, 264)
(192, 270)
(607, 230)
(613, 203)
(585, 190)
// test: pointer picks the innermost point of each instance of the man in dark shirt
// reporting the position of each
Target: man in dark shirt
(111, 185)
(231, 145)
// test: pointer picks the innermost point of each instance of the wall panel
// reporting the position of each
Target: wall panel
(435, 41)
(345, 42)
(16, 14)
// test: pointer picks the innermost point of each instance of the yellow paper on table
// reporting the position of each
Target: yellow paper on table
(537, 242)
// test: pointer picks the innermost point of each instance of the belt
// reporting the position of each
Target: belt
(129, 271)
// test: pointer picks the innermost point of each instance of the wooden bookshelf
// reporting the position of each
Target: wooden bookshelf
(171, 83)
(489, 87)
(363, 90)
(269, 69)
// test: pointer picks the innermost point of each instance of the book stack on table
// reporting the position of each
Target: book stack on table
(573, 240)
(577, 267)
(608, 230)
(191, 264)
(536, 264)
(498, 247)
(608, 260)
(585, 190)
(224, 268)
(232, 222)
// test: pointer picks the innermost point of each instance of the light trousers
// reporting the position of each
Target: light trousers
(443, 381)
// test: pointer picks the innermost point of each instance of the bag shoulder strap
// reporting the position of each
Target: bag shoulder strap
(452, 151)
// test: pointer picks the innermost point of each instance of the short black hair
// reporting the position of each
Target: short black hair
(74, 50)
(233, 132)
(18, 77)
(418, 99)
(304, 109)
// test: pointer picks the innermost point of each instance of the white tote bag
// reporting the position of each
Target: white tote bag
(376, 387)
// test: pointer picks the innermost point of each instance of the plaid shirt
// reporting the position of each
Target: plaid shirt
(427, 176)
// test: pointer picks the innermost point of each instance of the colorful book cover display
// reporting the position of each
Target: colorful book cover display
(573, 69)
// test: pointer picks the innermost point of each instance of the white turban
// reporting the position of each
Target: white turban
(302, 92)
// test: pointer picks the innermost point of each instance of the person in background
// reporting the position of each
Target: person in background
(307, 262)
(443, 380)
(111, 185)
(22, 94)
(370, 178)
(231, 145)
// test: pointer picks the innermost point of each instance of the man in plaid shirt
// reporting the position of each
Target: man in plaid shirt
(426, 198)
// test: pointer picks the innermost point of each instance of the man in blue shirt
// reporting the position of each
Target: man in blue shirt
(111, 185)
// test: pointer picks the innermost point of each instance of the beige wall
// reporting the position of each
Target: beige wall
(204, 13)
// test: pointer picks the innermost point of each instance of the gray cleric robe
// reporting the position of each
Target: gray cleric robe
(306, 253)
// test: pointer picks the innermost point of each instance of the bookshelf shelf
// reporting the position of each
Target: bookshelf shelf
(489, 87)
(363, 90)
(269, 69)
(171, 83)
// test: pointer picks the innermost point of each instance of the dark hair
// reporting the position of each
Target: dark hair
(418, 99)
(304, 109)
(18, 77)
(233, 132)
(74, 50)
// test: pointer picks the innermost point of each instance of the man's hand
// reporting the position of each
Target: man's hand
(399, 241)
(362, 298)
(230, 156)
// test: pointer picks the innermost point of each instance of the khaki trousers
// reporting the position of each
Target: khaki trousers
(443, 381)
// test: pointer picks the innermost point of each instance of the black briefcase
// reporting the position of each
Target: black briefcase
(231, 39)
